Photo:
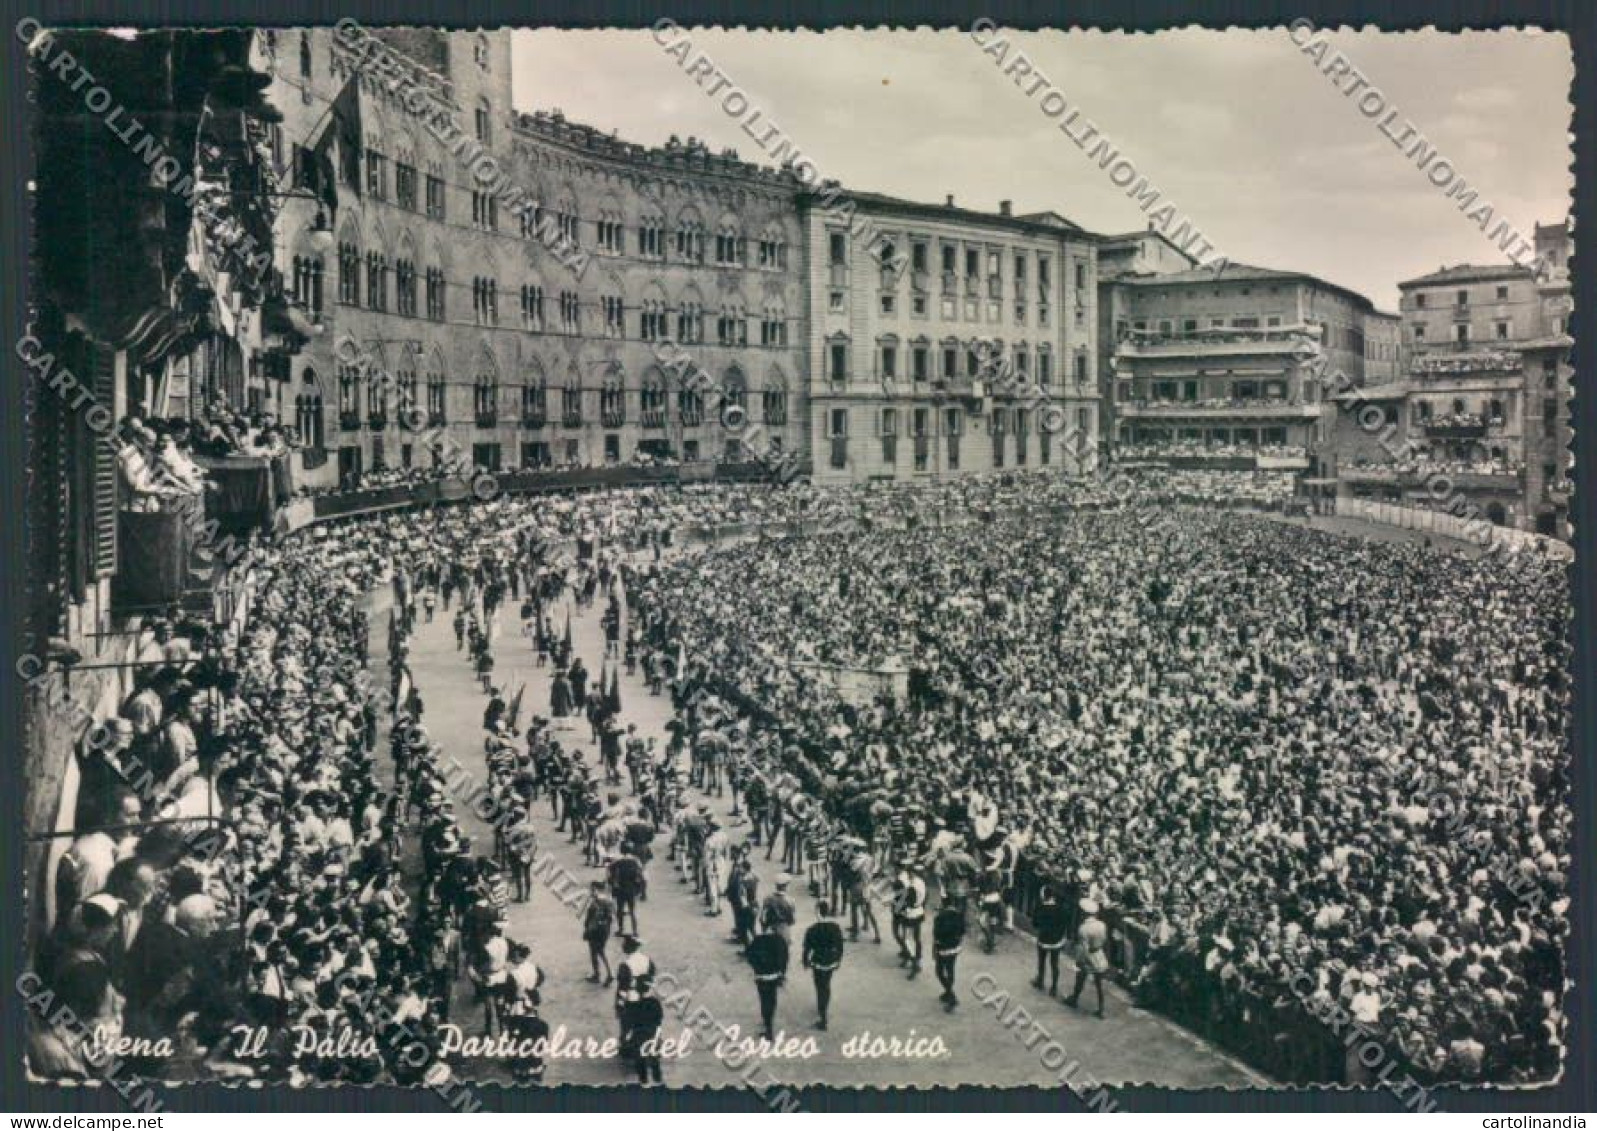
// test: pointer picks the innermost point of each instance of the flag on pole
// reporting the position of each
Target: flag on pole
(515, 705)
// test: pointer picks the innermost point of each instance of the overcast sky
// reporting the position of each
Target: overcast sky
(1239, 129)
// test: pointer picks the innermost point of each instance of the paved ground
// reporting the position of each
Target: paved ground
(988, 1043)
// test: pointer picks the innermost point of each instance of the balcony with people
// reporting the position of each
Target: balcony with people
(1208, 397)
(1297, 340)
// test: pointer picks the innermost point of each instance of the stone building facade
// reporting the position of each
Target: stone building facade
(501, 285)
(1479, 421)
(946, 341)
(1238, 363)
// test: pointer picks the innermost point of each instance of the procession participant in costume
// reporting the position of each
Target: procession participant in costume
(822, 955)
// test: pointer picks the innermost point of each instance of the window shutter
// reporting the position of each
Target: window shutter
(105, 472)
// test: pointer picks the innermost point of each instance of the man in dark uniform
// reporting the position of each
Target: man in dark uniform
(1049, 923)
(948, 937)
(768, 954)
(626, 886)
(597, 920)
(610, 749)
(823, 954)
(756, 801)
(743, 892)
(641, 1020)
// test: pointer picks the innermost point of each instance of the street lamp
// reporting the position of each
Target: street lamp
(321, 234)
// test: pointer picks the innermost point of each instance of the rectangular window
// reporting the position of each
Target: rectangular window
(838, 251)
(838, 369)
(405, 185)
(376, 175)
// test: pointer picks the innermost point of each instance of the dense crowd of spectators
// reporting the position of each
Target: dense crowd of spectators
(159, 458)
(1168, 448)
(1314, 766)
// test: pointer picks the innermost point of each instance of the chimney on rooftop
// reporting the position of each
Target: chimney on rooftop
(1006, 208)
(950, 200)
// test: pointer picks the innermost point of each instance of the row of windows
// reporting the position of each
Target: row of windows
(954, 363)
(653, 317)
(1004, 423)
(1462, 332)
(536, 454)
(950, 308)
(652, 402)
(1167, 326)
(1246, 389)
(888, 254)
(1460, 297)
(536, 222)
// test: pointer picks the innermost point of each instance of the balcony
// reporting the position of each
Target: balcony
(653, 418)
(1466, 362)
(1215, 456)
(1456, 426)
(1220, 409)
(571, 419)
(534, 419)
(377, 421)
(612, 419)
(486, 419)
(349, 421)
(1500, 476)
(437, 417)
(1220, 342)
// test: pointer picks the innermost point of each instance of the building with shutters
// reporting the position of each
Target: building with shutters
(947, 341)
(1477, 423)
(1232, 368)
(149, 270)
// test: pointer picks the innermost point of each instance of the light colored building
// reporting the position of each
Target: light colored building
(947, 341)
(1479, 423)
(1233, 366)
(1131, 254)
